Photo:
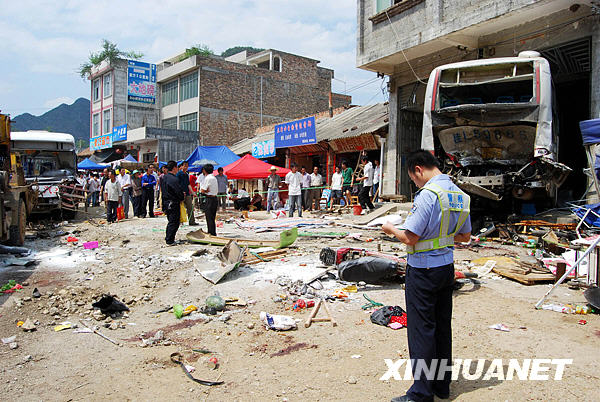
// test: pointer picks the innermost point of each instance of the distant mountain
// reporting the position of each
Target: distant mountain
(73, 119)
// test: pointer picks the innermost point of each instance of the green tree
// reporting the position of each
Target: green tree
(198, 50)
(237, 49)
(109, 52)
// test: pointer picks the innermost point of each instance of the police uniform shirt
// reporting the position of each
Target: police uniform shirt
(210, 184)
(424, 220)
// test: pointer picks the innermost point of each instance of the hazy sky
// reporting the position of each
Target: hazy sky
(42, 43)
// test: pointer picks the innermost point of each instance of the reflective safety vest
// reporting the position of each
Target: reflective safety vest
(450, 201)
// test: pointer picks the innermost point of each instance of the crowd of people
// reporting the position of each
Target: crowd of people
(173, 185)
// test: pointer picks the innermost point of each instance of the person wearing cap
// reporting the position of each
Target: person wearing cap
(222, 191)
(273, 186)
(136, 193)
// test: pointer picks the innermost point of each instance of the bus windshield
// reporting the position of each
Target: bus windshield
(48, 164)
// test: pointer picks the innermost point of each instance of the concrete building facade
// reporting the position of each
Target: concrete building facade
(227, 99)
(109, 104)
(407, 39)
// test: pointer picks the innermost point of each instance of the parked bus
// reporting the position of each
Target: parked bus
(490, 122)
(48, 160)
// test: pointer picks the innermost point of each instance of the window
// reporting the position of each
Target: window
(276, 63)
(188, 86)
(383, 4)
(169, 93)
(96, 90)
(170, 123)
(107, 85)
(96, 125)
(107, 126)
(391, 8)
(189, 122)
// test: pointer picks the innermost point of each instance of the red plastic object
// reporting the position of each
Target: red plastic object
(400, 319)
(120, 213)
(72, 239)
(299, 305)
(310, 303)
(582, 322)
(357, 209)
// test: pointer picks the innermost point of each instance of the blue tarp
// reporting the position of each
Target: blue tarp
(217, 155)
(591, 219)
(590, 131)
(130, 158)
(87, 164)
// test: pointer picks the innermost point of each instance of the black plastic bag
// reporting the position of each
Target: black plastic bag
(109, 305)
(367, 269)
(383, 315)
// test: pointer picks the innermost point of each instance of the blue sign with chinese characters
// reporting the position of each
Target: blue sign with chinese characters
(263, 149)
(296, 133)
(101, 142)
(119, 133)
(141, 82)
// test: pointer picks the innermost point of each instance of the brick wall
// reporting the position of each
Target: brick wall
(231, 95)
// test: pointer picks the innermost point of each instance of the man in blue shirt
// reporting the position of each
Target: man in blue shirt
(148, 184)
(438, 218)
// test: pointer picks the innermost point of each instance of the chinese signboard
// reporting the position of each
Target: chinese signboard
(141, 81)
(101, 142)
(119, 133)
(296, 133)
(263, 149)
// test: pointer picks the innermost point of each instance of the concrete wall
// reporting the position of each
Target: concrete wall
(426, 21)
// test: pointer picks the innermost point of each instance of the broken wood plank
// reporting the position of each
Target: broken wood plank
(381, 211)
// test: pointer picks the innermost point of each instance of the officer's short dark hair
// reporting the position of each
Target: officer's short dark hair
(171, 165)
(421, 158)
(208, 168)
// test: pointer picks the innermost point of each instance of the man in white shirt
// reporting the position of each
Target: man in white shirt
(294, 181)
(376, 180)
(367, 180)
(125, 181)
(112, 197)
(210, 189)
(316, 181)
(337, 181)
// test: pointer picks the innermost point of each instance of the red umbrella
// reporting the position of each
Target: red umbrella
(249, 167)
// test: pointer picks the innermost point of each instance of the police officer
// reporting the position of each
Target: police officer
(438, 218)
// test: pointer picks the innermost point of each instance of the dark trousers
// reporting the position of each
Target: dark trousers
(305, 195)
(111, 211)
(147, 200)
(137, 203)
(211, 213)
(364, 198)
(429, 315)
(241, 203)
(173, 217)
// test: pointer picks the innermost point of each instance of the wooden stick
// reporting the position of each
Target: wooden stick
(101, 335)
(333, 322)
(313, 313)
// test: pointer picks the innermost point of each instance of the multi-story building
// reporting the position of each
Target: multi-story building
(208, 100)
(407, 39)
(227, 99)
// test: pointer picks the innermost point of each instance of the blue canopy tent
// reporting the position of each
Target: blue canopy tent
(218, 155)
(130, 158)
(590, 132)
(87, 164)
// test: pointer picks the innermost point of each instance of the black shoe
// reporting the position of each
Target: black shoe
(403, 398)
(193, 224)
(170, 243)
(441, 396)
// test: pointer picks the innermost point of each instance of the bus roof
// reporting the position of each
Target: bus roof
(488, 62)
(42, 136)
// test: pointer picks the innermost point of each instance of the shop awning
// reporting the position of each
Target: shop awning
(248, 167)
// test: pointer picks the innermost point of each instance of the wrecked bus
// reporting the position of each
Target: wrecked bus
(490, 123)
(49, 161)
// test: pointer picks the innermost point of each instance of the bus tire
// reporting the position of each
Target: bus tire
(16, 233)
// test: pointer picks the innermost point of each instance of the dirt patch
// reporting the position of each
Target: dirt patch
(168, 329)
(294, 348)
